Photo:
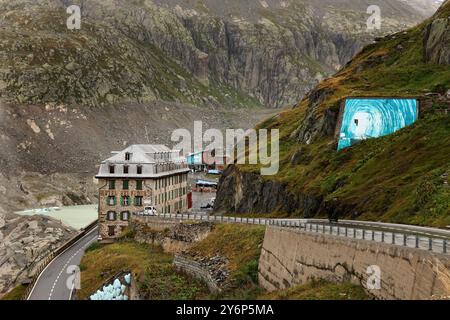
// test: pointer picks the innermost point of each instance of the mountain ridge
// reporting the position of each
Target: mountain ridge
(153, 52)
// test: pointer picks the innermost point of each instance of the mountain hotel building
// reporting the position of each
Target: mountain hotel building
(136, 177)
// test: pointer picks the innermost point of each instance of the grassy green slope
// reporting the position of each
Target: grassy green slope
(399, 178)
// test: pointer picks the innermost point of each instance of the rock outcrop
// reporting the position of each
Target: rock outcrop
(24, 242)
(437, 41)
(244, 192)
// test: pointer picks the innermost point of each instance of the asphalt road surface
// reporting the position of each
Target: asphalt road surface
(54, 283)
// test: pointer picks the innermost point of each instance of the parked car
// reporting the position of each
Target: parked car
(150, 211)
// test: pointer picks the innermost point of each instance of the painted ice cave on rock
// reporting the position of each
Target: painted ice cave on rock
(366, 118)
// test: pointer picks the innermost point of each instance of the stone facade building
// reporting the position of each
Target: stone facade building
(137, 177)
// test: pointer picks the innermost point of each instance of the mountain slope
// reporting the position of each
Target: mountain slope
(201, 52)
(403, 177)
(42, 61)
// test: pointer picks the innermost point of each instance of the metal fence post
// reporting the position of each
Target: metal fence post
(405, 239)
(430, 244)
(346, 232)
(363, 234)
(393, 238)
(373, 235)
(382, 236)
(417, 241)
(444, 246)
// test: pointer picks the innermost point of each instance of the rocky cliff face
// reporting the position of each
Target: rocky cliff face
(437, 39)
(24, 242)
(201, 52)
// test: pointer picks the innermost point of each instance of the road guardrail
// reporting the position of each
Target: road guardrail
(436, 245)
(46, 261)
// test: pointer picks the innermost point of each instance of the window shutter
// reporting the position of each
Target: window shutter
(115, 200)
(121, 201)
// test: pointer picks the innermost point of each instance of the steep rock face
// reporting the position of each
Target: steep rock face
(243, 192)
(278, 51)
(437, 41)
(121, 53)
(242, 53)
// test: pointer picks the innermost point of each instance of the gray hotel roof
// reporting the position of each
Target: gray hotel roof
(156, 161)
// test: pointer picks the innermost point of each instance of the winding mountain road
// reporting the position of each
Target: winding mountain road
(56, 281)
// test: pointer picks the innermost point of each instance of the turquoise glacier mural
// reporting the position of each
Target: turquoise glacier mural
(366, 118)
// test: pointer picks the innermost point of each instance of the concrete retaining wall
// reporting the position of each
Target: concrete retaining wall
(291, 257)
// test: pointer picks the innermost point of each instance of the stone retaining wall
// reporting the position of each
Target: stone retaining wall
(173, 235)
(196, 269)
(291, 257)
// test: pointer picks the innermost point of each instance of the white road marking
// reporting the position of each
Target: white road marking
(66, 265)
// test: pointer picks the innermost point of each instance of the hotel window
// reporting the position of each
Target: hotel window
(111, 169)
(125, 201)
(111, 216)
(111, 200)
(125, 184)
(138, 201)
(125, 215)
(127, 156)
(139, 169)
(138, 184)
(125, 169)
(112, 184)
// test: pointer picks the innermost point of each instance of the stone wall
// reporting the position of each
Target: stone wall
(173, 235)
(291, 257)
(197, 270)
